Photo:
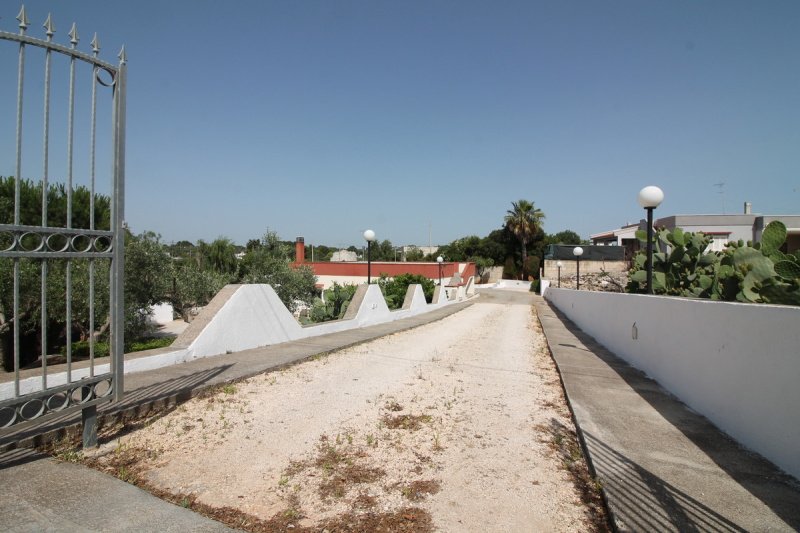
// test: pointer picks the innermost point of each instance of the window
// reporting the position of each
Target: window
(718, 243)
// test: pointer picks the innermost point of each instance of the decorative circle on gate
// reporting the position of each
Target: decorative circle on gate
(102, 388)
(81, 243)
(57, 242)
(103, 82)
(32, 409)
(31, 242)
(81, 394)
(7, 241)
(8, 415)
(102, 244)
(58, 401)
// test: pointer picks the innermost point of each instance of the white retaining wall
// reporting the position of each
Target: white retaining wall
(254, 316)
(737, 364)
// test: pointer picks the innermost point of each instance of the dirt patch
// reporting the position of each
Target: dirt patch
(409, 422)
(446, 426)
(420, 489)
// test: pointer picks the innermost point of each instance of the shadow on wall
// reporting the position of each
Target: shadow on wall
(634, 486)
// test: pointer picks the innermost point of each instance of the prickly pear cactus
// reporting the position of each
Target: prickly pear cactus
(680, 267)
(743, 272)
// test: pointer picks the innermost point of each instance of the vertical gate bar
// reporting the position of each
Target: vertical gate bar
(118, 264)
(92, 147)
(23, 24)
(70, 132)
(45, 185)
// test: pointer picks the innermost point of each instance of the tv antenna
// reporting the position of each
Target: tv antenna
(721, 192)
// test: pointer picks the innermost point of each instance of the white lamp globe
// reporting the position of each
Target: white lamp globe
(439, 259)
(369, 235)
(577, 251)
(651, 196)
(559, 264)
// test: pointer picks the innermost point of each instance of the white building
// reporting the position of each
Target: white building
(721, 228)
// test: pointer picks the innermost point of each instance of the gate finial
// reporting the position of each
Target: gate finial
(95, 44)
(123, 57)
(73, 35)
(23, 20)
(49, 27)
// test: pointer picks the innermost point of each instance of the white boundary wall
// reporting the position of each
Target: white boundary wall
(253, 316)
(737, 364)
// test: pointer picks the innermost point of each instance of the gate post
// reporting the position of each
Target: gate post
(89, 424)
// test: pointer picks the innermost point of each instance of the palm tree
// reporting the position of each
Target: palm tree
(523, 220)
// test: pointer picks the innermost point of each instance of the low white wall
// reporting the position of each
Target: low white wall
(327, 281)
(254, 316)
(737, 364)
(513, 284)
(161, 314)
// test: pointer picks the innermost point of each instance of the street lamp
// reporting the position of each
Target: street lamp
(369, 236)
(578, 252)
(439, 260)
(559, 265)
(649, 198)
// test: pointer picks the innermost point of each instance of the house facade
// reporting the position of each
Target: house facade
(722, 229)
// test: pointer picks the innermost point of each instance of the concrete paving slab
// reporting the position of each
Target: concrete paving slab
(662, 466)
(41, 494)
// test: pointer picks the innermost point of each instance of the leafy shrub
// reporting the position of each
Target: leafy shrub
(510, 270)
(394, 289)
(335, 304)
(80, 349)
(149, 344)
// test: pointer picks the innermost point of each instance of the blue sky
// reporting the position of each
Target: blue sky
(323, 118)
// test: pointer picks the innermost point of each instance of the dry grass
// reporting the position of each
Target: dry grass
(420, 489)
(564, 443)
(409, 422)
(128, 464)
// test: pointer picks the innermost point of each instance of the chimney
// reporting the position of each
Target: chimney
(300, 250)
(748, 208)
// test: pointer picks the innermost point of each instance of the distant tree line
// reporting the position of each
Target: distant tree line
(518, 246)
(188, 275)
(183, 274)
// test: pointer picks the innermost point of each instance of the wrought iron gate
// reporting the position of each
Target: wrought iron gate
(39, 249)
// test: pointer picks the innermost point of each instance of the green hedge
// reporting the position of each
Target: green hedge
(80, 349)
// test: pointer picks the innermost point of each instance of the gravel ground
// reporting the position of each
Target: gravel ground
(453, 419)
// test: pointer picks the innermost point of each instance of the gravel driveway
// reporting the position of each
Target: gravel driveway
(452, 426)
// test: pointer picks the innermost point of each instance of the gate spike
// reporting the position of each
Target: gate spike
(95, 44)
(73, 35)
(23, 20)
(123, 57)
(49, 27)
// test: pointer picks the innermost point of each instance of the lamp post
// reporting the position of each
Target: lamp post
(559, 265)
(439, 260)
(578, 252)
(650, 197)
(369, 236)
